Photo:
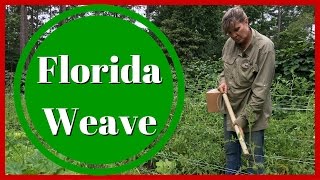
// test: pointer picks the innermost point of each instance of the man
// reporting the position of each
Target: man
(249, 65)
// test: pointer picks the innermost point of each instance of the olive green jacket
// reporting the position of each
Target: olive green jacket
(248, 75)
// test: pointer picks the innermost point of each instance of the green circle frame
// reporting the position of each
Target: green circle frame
(180, 92)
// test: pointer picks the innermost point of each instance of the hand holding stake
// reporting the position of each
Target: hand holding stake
(238, 129)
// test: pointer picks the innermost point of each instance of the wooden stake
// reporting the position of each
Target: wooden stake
(238, 129)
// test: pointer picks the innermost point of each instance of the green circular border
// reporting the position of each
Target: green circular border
(180, 92)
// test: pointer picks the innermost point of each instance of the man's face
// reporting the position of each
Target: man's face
(239, 32)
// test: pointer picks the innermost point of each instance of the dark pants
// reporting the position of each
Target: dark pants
(255, 144)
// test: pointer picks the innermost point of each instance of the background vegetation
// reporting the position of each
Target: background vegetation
(197, 145)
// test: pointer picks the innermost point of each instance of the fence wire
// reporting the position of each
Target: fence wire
(281, 103)
(198, 163)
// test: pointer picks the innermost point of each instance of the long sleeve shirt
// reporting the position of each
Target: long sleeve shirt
(248, 75)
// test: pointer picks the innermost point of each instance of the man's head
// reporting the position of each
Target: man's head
(235, 25)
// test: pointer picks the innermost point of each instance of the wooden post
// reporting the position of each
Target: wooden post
(238, 129)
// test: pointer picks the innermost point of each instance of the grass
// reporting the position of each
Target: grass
(195, 148)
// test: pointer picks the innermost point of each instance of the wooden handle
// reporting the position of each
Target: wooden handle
(238, 129)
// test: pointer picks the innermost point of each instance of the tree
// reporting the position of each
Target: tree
(295, 53)
(12, 39)
(23, 27)
(61, 10)
(193, 30)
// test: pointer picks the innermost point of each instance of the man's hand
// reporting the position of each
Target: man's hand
(241, 121)
(223, 87)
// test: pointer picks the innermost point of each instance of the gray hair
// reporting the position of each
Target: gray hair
(232, 15)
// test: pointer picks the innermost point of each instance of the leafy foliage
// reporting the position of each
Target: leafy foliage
(197, 145)
(194, 37)
(295, 53)
(12, 38)
(21, 155)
